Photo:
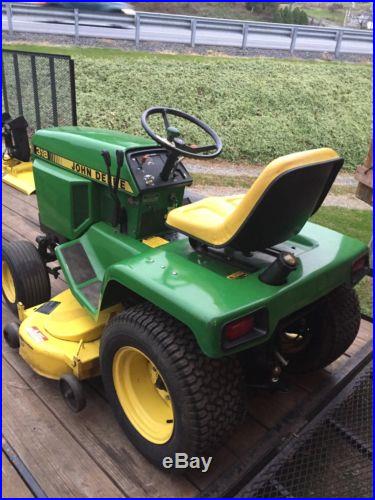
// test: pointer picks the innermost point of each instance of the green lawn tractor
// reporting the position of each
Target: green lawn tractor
(177, 303)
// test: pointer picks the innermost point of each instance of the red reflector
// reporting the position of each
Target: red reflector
(239, 328)
(359, 264)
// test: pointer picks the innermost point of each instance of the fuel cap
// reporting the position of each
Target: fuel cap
(278, 272)
(289, 259)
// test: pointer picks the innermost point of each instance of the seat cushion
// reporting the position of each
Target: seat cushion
(204, 219)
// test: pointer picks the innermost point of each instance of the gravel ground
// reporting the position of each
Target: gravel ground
(176, 48)
(222, 168)
(229, 169)
(347, 200)
(333, 200)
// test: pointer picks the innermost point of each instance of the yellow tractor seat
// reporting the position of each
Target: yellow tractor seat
(276, 207)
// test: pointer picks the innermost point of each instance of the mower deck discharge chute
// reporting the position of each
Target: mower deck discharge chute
(16, 166)
(175, 303)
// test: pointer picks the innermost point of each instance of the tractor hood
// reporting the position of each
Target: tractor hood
(68, 146)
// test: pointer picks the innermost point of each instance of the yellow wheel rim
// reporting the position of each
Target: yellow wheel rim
(8, 284)
(143, 395)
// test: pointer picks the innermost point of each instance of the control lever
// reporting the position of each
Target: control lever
(120, 156)
(113, 187)
(107, 160)
(120, 162)
(170, 164)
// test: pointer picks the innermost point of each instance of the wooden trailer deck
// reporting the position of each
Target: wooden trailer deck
(87, 455)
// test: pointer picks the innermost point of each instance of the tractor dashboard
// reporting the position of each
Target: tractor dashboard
(146, 166)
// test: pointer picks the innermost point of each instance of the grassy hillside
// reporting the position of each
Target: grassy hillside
(336, 16)
(357, 224)
(238, 10)
(262, 108)
(226, 10)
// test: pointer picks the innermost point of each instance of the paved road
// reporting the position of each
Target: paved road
(174, 34)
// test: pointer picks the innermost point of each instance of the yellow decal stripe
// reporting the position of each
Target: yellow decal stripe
(81, 169)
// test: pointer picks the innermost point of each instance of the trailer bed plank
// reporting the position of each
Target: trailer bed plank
(62, 467)
(12, 484)
(14, 194)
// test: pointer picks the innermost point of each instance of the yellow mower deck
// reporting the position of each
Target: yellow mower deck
(19, 175)
(60, 337)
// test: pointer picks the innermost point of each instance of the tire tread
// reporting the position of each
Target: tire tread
(213, 388)
(29, 273)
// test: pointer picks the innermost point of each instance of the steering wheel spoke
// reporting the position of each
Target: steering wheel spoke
(165, 119)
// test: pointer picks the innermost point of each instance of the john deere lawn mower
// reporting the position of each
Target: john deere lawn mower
(173, 301)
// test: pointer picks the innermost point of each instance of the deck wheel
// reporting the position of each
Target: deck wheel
(11, 334)
(72, 391)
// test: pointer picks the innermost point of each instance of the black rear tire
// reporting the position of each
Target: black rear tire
(31, 285)
(206, 394)
(332, 328)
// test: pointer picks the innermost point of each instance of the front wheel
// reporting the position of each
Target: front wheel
(167, 396)
(324, 335)
(24, 276)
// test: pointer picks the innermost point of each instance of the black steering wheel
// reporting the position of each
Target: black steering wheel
(174, 142)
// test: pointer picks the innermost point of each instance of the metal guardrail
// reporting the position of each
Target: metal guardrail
(189, 30)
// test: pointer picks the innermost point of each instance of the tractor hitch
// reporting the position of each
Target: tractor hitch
(54, 271)
(46, 248)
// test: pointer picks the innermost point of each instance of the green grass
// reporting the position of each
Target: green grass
(223, 180)
(355, 223)
(245, 181)
(261, 107)
(337, 16)
(364, 290)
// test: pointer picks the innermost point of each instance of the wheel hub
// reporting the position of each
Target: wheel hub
(143, 395)
(9, 288)
(159, 384)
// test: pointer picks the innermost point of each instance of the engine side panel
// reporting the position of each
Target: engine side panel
(67, 203)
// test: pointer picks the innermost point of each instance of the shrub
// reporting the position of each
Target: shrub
(335, 6)
(290, 15)
(262, 108)
(262, 6)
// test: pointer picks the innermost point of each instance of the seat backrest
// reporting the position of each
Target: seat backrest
(288, 191)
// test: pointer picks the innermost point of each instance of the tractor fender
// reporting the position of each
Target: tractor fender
(116, 290)
(202, 294)
(179, 287)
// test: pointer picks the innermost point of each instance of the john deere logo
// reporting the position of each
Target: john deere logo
(83, 170)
